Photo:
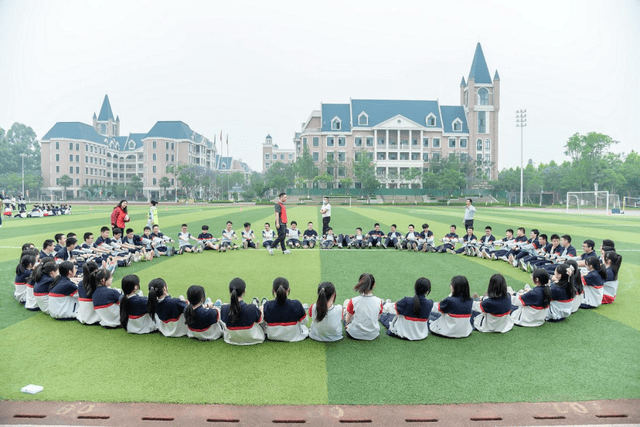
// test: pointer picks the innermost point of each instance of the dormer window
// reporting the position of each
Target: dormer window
(431, 119)
(483, 96)
(336, 124)
(132, 145)
(457, 125)
(363, 119)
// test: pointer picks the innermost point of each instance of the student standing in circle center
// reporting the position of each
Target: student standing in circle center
(281, 224)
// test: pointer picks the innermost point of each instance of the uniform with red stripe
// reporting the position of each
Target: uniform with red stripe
(455, 317)
(246, 330)
(139, 321)
(285, 322)
(206, 326)
(494, 315)
(63, 299)
(106, 303)
(408, 324)
(530, 309)
(170, 316)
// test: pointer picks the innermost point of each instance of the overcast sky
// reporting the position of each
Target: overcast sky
(252, 68)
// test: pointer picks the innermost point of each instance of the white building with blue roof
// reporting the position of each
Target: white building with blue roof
(404, 134)
(98, 156)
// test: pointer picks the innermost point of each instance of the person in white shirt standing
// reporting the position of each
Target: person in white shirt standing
(468, 214)
(325, 210)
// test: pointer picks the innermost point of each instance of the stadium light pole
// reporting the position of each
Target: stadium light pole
(521, 122)
(22, 155)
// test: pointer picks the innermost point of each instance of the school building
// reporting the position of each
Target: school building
(98, 155)
(271, 154)
(403, 134)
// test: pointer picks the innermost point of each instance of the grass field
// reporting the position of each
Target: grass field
(593, 355)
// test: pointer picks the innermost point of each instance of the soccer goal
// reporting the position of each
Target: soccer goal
(592, 202)
(631, 203)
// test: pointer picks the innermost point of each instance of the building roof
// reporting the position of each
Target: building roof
(176, 130)
(74, 130)
(449, 114)
(479, 70)
(105, 111)
(463, 83)
(136, 138)
(496, 76)
(380, 110)
(342, 111)
(223, 163)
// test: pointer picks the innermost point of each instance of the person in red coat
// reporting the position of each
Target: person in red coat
(120, 215)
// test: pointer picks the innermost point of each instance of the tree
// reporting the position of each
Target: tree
(364, 170)
(631, 170)
(588, 158)
(452, 180)
(136, 185)
(164, 183)
(346, 183)
(187, 179)
(279, 176)
(19, 139)
(65, 181)
(305, 167)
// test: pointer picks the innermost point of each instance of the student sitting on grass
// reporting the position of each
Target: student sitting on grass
(293, 236)
(408, 318)
(448, 241)
(531, 306)
(425, 239)
(248, 238)
(23, 271)
(106, 301)
(134, 307)
(183, 241)
(410, 242)
(357, 240)
(612, 261)
(241, 320)
(450, 317)
(203, 320)
(43, 275)
(361, 313)
(562, 293)
(206, 239)
(576, 282)
(491, 313)
(593, 283)
(228, 234)
(63, 293)
(160, 241)
(86, 313)
(309, 238)
(284, 318)
(393, 238)
(30, 302)
(329, 240)
(469, 241)
(167, 312)
(268, 236)
(326, 317)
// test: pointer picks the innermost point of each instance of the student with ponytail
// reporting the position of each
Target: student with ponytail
(362, 312)
(86, 313)
(167, 312)
(106, 301)
(241, 321)
(63, 293)
(284, 318)
(562, 293)
(531, 307)
(43, 276)
(612, 262)
(134, 307)
(30, 302)
(593, 283)
(326, 317)
(451, 317)
(202, 319)
(408, 318)
(492, 312)
(576, 280)
(23, 271)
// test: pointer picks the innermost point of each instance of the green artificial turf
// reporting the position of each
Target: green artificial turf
(592, 355)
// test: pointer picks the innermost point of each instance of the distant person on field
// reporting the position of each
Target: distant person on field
(281, 224)
(152, 217)
(325, 210)
(469, 211)
(120, 215)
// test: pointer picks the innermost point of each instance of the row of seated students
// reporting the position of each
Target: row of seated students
(51, 288)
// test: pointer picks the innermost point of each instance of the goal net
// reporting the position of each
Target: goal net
(631, 203)
(592, 202)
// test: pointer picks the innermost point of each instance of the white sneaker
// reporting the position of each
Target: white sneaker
(271, 251)
(286, 252)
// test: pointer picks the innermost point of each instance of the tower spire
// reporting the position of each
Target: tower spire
(479, 70)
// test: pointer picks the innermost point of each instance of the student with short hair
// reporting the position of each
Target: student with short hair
(167, 312)
(293, 235)
(268, 235)
(202, 319)
(183, 241)
(548, 254)
(469, 240)
(562, 293)
(329, 239)
(281, 224)
(309, 237)
(134, 307)
(23, 272)
(160, 241)
(207, 241)
(451, 316)
(588, 251)
(325, 315)
(426, 239)
(357, 240)
(410, 242)
(528, 248)
(593, 283)
(228, 235)
(152, 216)
(86, 313)
(248, 238)
(106, 300)
(47, 250)
(449, 240)
(241, 320)
(284, 319)
(408, 318)
(516, 246)
(496, 253)
(486, 242)
(612, 262)
(492, 312)
(361, 313)
(375, 236)
(531, 307)
(63, 293)
(60, 239)
(43, 276)
(393, 238)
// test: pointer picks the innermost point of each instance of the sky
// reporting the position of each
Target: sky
(252, 68)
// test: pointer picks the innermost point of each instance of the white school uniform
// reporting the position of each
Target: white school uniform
(593, 294)
(527, 315)
(366, 310)
(577, 300)
(449, 324)
(213, 332)
(20, 291)
(30, 302)
(609, 291)
(63, 306)
(141, 324)
(330, 328)
(487, 322)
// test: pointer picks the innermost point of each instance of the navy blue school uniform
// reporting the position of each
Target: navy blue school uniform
(63, 299)
(466, 239)
(610, 275)
(454, 317)
(519, 239)
(204, 319)
(393, 237)
(138, 306)
(310, 234)
(20, 284)
(375, 237)
(593, 290)
(529, 308)
(448, 245)
(63, 255)
(284, 322)
(561, 304)
(86, 313)
(58, 247)
(42, 287)
(106, 303)
(246, 330)
(585, 255)
(492, 315)
(44, 255)
(139, 321)
(407, 324)
(170, 317)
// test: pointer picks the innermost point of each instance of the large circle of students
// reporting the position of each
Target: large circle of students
(71, 281)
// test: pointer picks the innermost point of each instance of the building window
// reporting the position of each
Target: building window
(70, 146)
(154, 145)
(404, 143)
(315, 156)
(154, 169)
(166, 157)
(487, 157)
(382, 155)
(71, 169)
(404, 156)
(57, 169)
(425, 157)
(431, 119)
(166, 145)
(358, 141)
(57, 181)
(436, 142)
(452, 143)
(86, 171)
(487, 145)
(266, 156)
(369, 141)
(281, 156)
(57, 157)
(381, 142)
(414, 142)
(483, 96)
(463, 142)
(425, 142)
(77, 146)
(457, 125)
(155, 181)
(435, 157)
(482, 122)
(336, 124)
(304, 142)
(393, 156)
(290, 156)
(173, 158)
(57, 145)
(78, 170)
(463, 157)
(154, 157)
(479, 157)
(363, 120)
(415, 156)
(330, 156)
(479, 145)
(266, 165)
(316, 141)
(330, 141)
(341, 141)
